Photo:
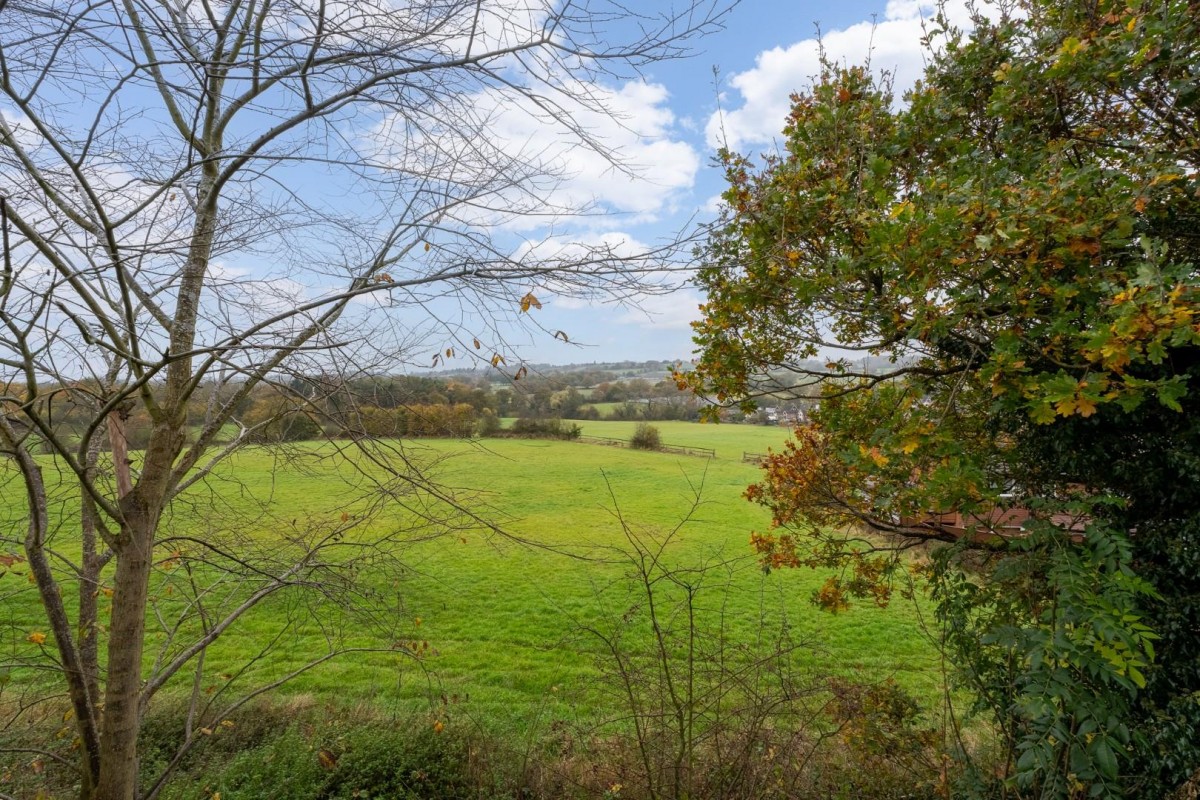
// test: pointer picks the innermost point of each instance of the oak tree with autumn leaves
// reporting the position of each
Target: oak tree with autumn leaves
(1019, 236)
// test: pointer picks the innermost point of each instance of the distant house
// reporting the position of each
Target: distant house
(792, 417)
(1009, 523)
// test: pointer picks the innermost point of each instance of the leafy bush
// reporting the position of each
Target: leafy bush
(546, 428)
(439, 420)
(489, 423)
(286, 766)
(313, 761)
(275, 420)
(390, 763)
(646, 437)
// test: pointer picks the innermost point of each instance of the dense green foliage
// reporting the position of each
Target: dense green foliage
(1021, 238)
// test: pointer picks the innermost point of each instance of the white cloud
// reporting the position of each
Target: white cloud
(670, 312)
(633, 124)
(714, 205)
(891, 44)
(653, 295)
(529, 161)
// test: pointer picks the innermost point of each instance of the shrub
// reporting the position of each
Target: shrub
(545, 428)
(277, 421)
(646, 437)
(388, 763)
(287, 766)
(440, 420)
(376, 421)
(489, 423)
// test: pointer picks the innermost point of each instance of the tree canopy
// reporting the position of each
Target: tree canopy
(1019, 235)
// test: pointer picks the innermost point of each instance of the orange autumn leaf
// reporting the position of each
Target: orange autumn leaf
(529, 301)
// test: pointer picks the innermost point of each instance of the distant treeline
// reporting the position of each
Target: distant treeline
(310, 407)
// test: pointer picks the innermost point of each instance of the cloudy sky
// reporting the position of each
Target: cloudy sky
(675, 121)
(664, 127)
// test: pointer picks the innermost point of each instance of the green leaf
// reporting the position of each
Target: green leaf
(1104, 757)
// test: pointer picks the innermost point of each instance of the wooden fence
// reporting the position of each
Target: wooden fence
(702, 452)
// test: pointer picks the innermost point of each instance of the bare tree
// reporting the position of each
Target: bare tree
(201, 197)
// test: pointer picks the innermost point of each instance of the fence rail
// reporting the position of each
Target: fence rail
(754, 458)
(604, 440)
(702, 452)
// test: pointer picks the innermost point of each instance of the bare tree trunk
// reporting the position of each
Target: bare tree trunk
(134, 552)
(56, 613)
(121, 720)
(120, 452)
(89, 618)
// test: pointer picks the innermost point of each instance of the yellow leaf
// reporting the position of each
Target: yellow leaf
(529, 301)
(497, 360)
(438, 727)
(37, 637)
(875, 454)
(427, 247)
(910, 445)
(417, 621)
(1085, 406)
(1071, 46)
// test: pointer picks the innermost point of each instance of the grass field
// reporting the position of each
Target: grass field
(504, 615)
(729, 441)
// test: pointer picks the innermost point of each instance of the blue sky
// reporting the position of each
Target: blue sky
(663, 125)
(767, 50)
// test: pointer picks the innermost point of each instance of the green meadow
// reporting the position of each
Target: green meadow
(495, 619)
